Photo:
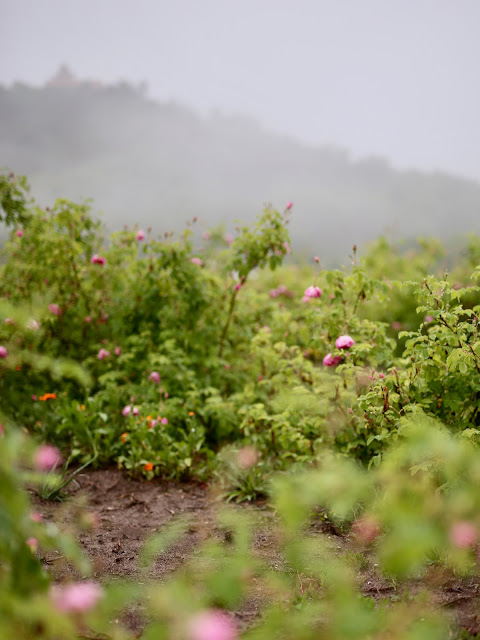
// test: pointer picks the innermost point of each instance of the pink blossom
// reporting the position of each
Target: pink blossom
(103, 353)
(197, 261)
(76, 598)
(463, 534)
(206, 235)
(34, 398)
(35, 516)
(366, 529)
(274, 293)
(330, 360)
(118, 351)
(19, 233)
(88, 319)
(155, 376)
(126, 410)
(317, 259)
(140, 235)
(311, 292)
(212, 625)
(288, 206)
(344, 342)
(3, 352)
(428, 319)
(164, 421)
(228, 238)
(96, 259)
(381, 375)
(238, 286)
(396, 325)
(135, 411)
(55, 309)
(46, 457)
(32, 543)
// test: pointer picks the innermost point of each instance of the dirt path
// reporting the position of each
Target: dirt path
(126, 512)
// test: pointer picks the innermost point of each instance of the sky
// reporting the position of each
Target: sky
(393, 78)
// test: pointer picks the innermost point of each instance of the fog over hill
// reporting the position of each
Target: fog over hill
(161, 164)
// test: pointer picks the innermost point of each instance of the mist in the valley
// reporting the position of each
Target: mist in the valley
(157, 161)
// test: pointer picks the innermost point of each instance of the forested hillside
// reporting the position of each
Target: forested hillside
(161, 164)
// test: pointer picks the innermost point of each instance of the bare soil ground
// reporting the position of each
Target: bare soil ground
(128, 511)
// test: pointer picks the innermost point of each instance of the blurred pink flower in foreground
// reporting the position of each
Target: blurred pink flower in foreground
(463, 534)
(19, 233)
(126, 410)
(96, 259)
(3, 351)
(155, 376)
(32, 543)
(331, 361)
(197, 261)
(140, 235)
(46, 457)
(344, 342)
(212, 625)
(76, 598)
(164, 421)
(311, 292)
(288, 206)
(55, 309)
(103, 353)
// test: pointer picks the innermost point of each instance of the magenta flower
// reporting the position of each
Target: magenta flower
(55, 309)
(118, 351)
(140, 235)
(311, 292)
(135, 411)
(3, 352)
(344, 342)
(96, 259)
(164, 421)
(155, 376)
(197, 261)
(331, 361)
(212, 625)
(463, 534)
(288, 206)
(76, 598)
(103, 353)
(46, 457)
(238, 286)
(126, 410)
(19, 233)
(88, 319)
(317, 259)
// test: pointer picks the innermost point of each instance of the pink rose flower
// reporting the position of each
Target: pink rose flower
(55, 309)
(344, 342)
(3, 352)
(212, 625)
(197, 261)
(96, 259)
(46, 457)
(311, 292)
(126, 410)
(19, 233)
(155, 376)
(140, 235)
(103, 353)
(463, 534)
(76, 598)
(331, 361)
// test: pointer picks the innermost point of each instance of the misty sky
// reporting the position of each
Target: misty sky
(397, 78)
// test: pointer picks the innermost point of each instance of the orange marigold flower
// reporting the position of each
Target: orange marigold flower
(48, 396)
(148, 466)
(124, 437)
(191, 413)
